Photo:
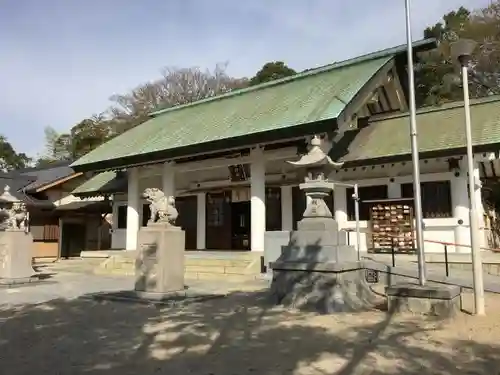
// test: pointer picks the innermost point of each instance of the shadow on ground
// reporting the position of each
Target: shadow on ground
(239, 334)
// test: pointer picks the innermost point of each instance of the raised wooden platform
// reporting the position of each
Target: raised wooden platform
(199, 265)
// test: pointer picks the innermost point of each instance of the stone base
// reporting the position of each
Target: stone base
(16, 253)
(317, 239)
(23, 281)
(169, 299)
(322, 287)
(159, 266)
(437, 300)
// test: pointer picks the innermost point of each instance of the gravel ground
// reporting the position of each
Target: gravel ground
(239, 334)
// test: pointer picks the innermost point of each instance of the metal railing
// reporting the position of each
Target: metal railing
(445, 244)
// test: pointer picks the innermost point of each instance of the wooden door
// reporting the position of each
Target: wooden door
(187, 219)
(273, 209)
(218, 219)
(73, 239)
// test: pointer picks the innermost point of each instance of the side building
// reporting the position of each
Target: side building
(62, 224)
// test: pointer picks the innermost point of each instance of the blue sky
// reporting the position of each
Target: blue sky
(61, 60)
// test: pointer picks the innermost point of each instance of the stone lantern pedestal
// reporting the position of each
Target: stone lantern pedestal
(317, 270)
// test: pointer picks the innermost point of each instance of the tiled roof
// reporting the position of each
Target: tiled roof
(41, 176)
(102, 183)
(439, 129)
(16, 185)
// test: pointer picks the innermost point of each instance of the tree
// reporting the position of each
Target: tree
(9, 158)
(437, 78)
(82, 138)
(88, 135)
(177, 86)
(271, 71)
(55, 147)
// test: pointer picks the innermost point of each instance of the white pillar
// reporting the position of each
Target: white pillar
(340, 204)
(393, 190)
(460, 202)
(480, 207)
(257, 200)
(133, 209)
(168, 179)
(201, 221)
(340, 213)
(286, 208)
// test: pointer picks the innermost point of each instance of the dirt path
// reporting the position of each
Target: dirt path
(240, 334)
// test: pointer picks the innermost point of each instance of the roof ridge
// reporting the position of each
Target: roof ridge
(442, 107)
(307, 73)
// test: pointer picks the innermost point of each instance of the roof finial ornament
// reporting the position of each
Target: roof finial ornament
(7, 196)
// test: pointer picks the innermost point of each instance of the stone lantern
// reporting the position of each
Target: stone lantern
(317, 165)
(317, 270)
(317, 238)
(16, 243)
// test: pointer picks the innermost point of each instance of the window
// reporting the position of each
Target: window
(436, 198)
(122, 217)
(366, 193)
(146, 214)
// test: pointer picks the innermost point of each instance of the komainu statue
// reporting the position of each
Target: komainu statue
(162, 207)
(14, 217)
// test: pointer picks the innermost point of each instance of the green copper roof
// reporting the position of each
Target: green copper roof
(305, 99)
(439, 129)
(103, 183)
(285, 104)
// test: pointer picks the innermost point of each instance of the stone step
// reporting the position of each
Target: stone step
(199, 266)
(188, 275)
(190, 262)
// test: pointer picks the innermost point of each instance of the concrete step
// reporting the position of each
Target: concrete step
(231, 266)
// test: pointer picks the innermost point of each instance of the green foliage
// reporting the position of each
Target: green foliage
(272, 71)
(437, 77)
(10, 159)
(82, 138)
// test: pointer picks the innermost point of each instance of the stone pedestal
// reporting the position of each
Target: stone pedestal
(317, 239)
(437, 300)
(322, 287)
(273, 243)
(159, 269)
(16, 254)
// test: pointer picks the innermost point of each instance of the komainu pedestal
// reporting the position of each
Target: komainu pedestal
(16, 243)
(16, 252)
(159, 266)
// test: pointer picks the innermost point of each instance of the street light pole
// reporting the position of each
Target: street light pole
(462, 51)
(414, 152)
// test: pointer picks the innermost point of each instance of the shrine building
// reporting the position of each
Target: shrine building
(225, 158)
